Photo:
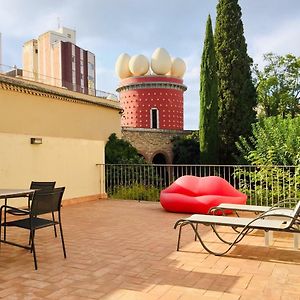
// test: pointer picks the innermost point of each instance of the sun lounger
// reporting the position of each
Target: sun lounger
(223, 207)
(257, 209)
(272, 220)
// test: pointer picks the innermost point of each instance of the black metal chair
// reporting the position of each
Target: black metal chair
(39, 186)
(42, 203)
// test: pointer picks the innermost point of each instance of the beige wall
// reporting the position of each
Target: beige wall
(39, 115)
(69, 162)
(73, 140)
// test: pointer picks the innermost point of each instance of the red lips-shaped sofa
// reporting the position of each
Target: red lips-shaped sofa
(192, 194)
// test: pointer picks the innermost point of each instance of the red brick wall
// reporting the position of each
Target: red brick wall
(137, 102)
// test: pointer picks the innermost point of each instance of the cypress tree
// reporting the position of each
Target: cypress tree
(236, 91)
(208, 127)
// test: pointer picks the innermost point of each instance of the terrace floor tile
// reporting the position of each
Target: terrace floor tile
(120, 249)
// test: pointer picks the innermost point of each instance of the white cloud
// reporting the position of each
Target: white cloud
(193, 67)
(110, 27)
(106, 79)
(191, 96)
(20, 19)
(282, 40)
(191, 110)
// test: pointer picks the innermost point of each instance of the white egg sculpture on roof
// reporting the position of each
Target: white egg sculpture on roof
(122, 66)
(161, 61)
(138, 65)
(148, 72)
(178, 67)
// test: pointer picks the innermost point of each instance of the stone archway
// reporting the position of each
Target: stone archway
(150, 142)
(159, 159)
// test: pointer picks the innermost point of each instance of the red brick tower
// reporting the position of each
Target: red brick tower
(151, 95)
(152, 101)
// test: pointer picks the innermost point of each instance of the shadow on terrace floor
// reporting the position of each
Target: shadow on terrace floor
(127, 250)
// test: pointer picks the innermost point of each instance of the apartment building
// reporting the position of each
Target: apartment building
(55, 59)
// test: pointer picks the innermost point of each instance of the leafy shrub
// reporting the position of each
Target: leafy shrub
(267, 185)
(136, 192)
(274, 141)
(119, 151)
(273, 146)
(186, 149)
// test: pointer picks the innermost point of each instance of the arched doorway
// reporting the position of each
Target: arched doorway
(159, 159)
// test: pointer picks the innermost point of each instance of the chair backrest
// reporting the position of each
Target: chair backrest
(42, 185)
(47, 201)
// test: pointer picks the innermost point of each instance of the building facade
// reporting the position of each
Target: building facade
(72, 129)
(155, 145)
(151, 96)
(154, 102)
(55, 59)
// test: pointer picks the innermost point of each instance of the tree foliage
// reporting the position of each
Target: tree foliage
(119, 151)
(272, 148)
(274, 141)
(186, 149)
(208, 127)
(278, 86)
(236, 91)
(267, 185)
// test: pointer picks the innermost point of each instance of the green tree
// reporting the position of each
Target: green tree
(119, 151)
(236, 91)
(186, 149)
(125, 179)
(273, 147)
(208, 128)
(278, 86)
(274, 141)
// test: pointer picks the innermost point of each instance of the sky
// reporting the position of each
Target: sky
(111, 27)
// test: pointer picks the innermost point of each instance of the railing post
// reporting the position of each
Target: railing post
(101, 173)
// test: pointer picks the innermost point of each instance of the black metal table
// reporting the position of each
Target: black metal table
(13, 193)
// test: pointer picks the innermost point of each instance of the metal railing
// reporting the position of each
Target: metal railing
(264, 185)
(14, 71)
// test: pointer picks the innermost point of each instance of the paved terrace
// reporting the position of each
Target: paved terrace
(126, 250)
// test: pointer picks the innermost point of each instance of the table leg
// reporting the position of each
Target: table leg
(4, 235)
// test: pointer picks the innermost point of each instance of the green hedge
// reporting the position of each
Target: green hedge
(136, 192)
